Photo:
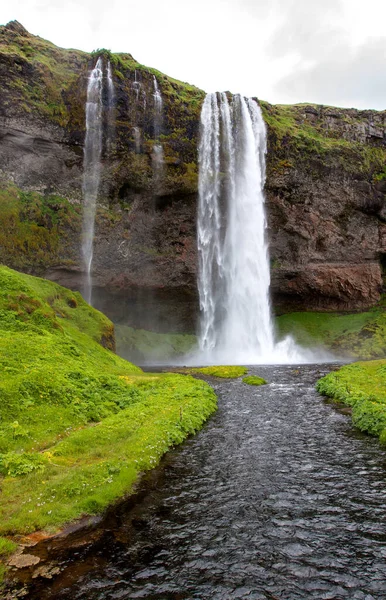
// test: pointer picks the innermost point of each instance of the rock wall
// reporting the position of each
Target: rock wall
(326, 183)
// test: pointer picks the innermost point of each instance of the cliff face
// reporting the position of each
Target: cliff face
(326, 183)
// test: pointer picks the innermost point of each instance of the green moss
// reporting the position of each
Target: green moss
(226, 372)
(381, 175)
(361, 335)
(254, 380)
(35, 229)
(293, 138)
(78, 424)
(51, 73)
(363, 387)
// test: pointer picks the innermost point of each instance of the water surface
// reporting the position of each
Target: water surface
(276, 498)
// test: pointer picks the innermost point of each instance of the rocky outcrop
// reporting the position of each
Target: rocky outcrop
(326, 206)
(326, 183)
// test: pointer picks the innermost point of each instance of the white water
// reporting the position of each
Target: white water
(91, 166)
(136, 130)
(158, 153)
(137, 139)
(236, 324)
(110, 109)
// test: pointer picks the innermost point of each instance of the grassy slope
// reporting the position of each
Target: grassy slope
(51, 72)
(78, 423)
(362, 386)
(359, 335)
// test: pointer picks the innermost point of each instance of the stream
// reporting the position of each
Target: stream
(278, 497)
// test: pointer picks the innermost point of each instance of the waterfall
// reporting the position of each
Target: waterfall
(158, 107)
(136, 85)
(158, 154)
(236, 324)
(110, 109)
(91, 166)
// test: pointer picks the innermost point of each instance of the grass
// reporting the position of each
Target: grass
(78, 424)
(362, 386)
(359, 335)
(226, 372)
(254, 380)
(93, 466)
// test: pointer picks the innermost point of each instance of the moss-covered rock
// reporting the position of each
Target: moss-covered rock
(223, 371)
(254, 380)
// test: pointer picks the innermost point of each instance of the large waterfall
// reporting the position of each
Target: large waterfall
(236, 324)
(91, 166)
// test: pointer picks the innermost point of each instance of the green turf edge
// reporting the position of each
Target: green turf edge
(362, 386)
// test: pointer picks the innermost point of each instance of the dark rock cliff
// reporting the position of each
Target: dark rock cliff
(326, 183)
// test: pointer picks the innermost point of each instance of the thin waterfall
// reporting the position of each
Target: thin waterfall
(110, 109)
(158, 108)
(158, 154)
(91, 165)
(233, 280)
(136, 130)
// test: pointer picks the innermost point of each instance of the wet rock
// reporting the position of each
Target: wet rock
(21, 561)
(46, 571)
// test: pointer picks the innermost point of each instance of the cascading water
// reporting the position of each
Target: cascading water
(110, 109)
(158, 107)
(136, 130)
(158, 155)
(91, 165)
(234, 277)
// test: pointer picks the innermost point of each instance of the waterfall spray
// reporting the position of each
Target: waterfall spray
(91, 175)
(236, 324)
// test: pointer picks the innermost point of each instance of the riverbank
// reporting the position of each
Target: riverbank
(275, 487)
(362, 386)
(78, 423)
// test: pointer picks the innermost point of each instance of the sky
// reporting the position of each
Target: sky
(330, 52)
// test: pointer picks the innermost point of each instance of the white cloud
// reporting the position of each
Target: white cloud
(345, 76)
(280, 50)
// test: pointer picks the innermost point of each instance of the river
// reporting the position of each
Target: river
(278, 497)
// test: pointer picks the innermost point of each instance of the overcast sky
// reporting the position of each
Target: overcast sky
(284, 51)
